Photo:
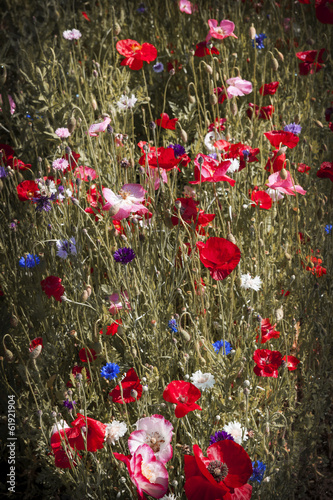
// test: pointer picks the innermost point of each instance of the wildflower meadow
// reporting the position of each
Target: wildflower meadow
(166, 255)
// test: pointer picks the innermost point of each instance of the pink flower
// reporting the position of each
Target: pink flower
(99, 127)
(11, 104)
(146, 472)
(238, 87)
(285, 186)
(60, 164)
(117, 302)
(63, 133)
(225, 29)
(126, 202)
(155, 431)
(157, 176)
(187, 7)
(85, 173)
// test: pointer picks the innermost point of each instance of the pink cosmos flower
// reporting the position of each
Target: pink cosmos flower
(117, 302)
(126, 202)
(225, 29)
(238, 87)
(285, 186)
(99, 127)
(155, 431)
(11, 104)
(187, 7)
(62, 132)
(146, 472)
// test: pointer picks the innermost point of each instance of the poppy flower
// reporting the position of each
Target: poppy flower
(238, 87)
(221, 94)
(267, 331)
(148, 474)
(267, 362)
(280, 137)
(220, 256)
(312, 61)
(112, 329)
(35, 343)
(52, 287)
(191, 214)
(77, 370)
(129, 200)
(9, 157)
(27, 190)
(131, 389)
(201, 50)
(86, 174)
(221, 31)
(135, 53)
(64, 436)
(222, 475)
(284, 186)
(326, 171)
(155, 431)
(93, 430)
(166, 122)
(184, 395)
(164, 159)
(87, 354)
(291, 362)
(269, 88)
(209, 170)
(95, 128)
(217, 125)
(276, 161)
(261, 199)
(303, 168)
(324, 11)
(315, 267)
(244, 153)
(263, 112)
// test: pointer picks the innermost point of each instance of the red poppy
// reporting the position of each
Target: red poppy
(263, 112)
(184, 395)
(166, 122)
(9, 157)
(217, 125)
(326, 170)
(267, 331)
(85, 15)
(131, 389)
(312, 61)
(291, 361)
(285, 293)
(65, 437)
(78, 370)
(276, 161)
(35, 342)
(303, 168)
(201, 50)
(221, 94)
(223, 475)
(174, 65)
(27, 190)
(165, 158)
(269, 88)
(135, 53)
(191, 214)
(87, 354)
(267, 361)
(237, 151)
(261, 199)
(324, 11)
(93, 430)
(220, 256)
(52, 287)
(279, 137)
(112, 329)
(209, 170)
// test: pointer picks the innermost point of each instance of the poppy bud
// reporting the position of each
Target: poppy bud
(98, 347)
(134, 351)
(234, 109)
(71, 124)
(185, 334)
(217, 76)
(9, 355)
(287, 255)
(116, 29)
(230, 237)
(13, 321)
(84, 296)
(93, 103)
(318, 123)
(183, 135)
(89, 290)
(283, 174)
(281, 56)
(246, 383)
(134, 393)
(252, 32)
(213, 99)
(36, 352)
(191, 98)
(279, 314)
(208, 69)
(113, 210)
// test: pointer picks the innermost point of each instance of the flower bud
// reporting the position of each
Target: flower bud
(252, 32)
(208, 69)
(275, 64)
(283, 174)
(71, 124)
(213, 99)
(134, 393)
(36, 352)
(183, 135)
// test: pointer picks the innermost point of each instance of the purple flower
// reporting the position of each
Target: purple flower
(124, 255)
(3, 172)
(43, 203)
(158, 67)
(179, 150)
(293, 128)
(220, 436)
(69, 404)
(259, 41)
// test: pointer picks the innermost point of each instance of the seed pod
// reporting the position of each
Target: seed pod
(275, 64)
(36, 352)
(71, 124)
(213, 99)
(231, 238)
(183, 135)
(283, 174)
(252, 32)
(318, 123)
(208, 69)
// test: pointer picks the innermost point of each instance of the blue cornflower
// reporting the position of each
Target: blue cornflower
(225, 346)
(124, 255)
(246, 154)
(158, 67)
(294, 128)
(328, 228)
(178, 149)
(3, 172)
(172, 325)
(66, 247)
(213, 155)
(43, 203)
(29, 261)
(110, 371)
(69, 404)
(220, 436)
(259, 41)
(258, 471)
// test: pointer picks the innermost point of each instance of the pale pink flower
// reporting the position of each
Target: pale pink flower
(153, 173)
(85, 173)
(147, 473)
(99, 127)
(60, 164)
(72, 34)
(238, 87)
(62, 132)
(275, 195)
(155, 431)
(225, 29)
(285, 186)
(117, 302)
(11, 104)
(126, 202)
(186, 6)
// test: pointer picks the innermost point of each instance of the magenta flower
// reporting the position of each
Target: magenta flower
(117, 302)
(187, 7)
(238, 87)
(225, 29)
(126, 202)
(62, 132)
(285, 186)
(99, 127)
(155, 431)
(11, 104)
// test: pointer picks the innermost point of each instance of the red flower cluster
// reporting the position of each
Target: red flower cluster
(303, 168)
(315, 267)
(184, 395)
(312, 61)
(220, 256)
(209, 170)
(112, 329)
(263, 112)
(131, 389)
(165, 157)
(52, 287)
(191, 214)
(201, 50)
(267, 331)
(166, 122)
(135, 53)
(326, 170)
(267, 362)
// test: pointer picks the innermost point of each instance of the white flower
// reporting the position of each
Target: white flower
(234, 167)
(274, 194)
(72, 34)
(237, 432)
(202, 380)
(52, 187)
(115, 431)
(210, 140)
(155, 431)
(248, 282)
(126, 102)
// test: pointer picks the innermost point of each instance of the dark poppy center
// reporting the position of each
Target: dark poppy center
(218, 470)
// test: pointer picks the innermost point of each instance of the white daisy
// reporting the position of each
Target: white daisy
(115, 431)
(126, 102)
(237, 431)
(234, 167)
(248, 282)
(202, 380)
